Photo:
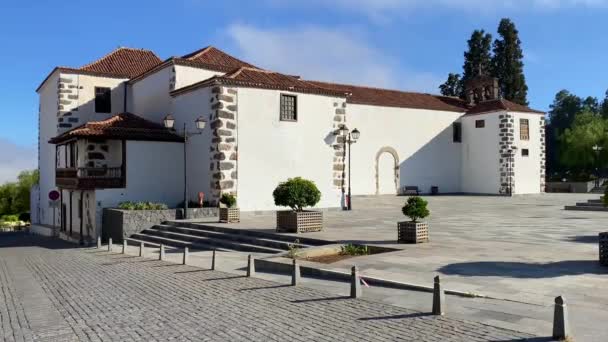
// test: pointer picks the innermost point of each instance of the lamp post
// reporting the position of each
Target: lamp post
(511, 174)
(597, 149)
(349, 137)
(169, 123)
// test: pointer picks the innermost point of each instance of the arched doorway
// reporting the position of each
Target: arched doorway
(387, 171)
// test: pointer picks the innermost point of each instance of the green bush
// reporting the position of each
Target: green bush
(10, 218)
(296, 193)
(141, 206)
(25, 217)
(415, 208)
(229, 200)
(354, 250)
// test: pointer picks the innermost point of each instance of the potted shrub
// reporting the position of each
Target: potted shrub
(298, 193)
(414, 231)
(228, 210)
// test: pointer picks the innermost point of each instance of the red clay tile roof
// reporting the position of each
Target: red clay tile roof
(396, 98)
(125, 126)
(258, 78)
(500, 105)
(124, 62)
(214, 59)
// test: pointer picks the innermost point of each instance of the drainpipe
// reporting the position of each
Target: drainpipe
(124, 105)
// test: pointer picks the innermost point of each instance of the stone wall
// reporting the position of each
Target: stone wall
(224, 145)
(119, 224)
(507, 161)
(542, 154)
(339, 166)
(67, 100)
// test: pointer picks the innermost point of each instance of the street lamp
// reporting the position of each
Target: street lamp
(598, 150)
(511, 174)
(200, 123)
(349, 137)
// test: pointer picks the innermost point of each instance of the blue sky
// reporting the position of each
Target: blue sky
(404, 44)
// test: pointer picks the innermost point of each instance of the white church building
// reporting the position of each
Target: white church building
(102, 140)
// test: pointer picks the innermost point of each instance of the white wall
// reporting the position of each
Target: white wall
(527, 169)
(185, 75)
(46, 152)
(186, 109)
(149, 97)
(480, 154)
(422, 139)
(270, 150)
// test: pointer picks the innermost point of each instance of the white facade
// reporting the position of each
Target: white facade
(247, 149)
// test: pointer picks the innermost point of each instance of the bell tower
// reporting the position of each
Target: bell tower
(481, 88)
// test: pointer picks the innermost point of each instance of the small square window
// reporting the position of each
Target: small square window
(103, 100)
(525, 152)
(480, 123)
(289, 108)
(457, 132)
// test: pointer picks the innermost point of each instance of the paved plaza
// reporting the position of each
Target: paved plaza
(51, 292)
(524, 249)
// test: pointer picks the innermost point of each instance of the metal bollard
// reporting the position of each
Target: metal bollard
(109, 244)
(295, 275)
(161, 255)
(250, 266)
(438, 298)
(355, 283)
(561, 324)
(141, 248)
(213, 261)
(124, 246)
(186, 255)
(99, 242)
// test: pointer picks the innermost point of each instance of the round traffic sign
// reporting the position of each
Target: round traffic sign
(53, 195)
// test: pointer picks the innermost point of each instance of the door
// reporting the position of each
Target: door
(386, 174)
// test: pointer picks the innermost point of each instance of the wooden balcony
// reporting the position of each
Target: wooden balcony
(88, 178)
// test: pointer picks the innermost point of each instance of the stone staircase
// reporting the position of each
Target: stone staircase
(590, 205)
(199, 236)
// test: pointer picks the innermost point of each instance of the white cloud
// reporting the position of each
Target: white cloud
(14, 159)
(327, 54)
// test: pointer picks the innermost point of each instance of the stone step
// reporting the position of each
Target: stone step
(213, 242)
(585, 208)
(239, 238)
(595, 201)
(252, 233)
(156, 241)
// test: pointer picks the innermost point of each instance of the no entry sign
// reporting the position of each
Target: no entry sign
(53, 195)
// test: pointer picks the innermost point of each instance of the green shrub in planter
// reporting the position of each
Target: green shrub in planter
(142, 206)
(415, 208)
(296, 193)
(228, 200)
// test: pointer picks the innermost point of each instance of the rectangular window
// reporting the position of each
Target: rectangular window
(480, 123)
(72, 154)
(103, 100)
(457, 132)
(525, 152)
(289, 108)
(524, 129)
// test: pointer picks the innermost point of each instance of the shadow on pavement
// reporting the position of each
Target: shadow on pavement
(320, 299)
(412, 315)
(524, 270)
(24, 239)
(532, 339)
(584, 238)
(266, 287)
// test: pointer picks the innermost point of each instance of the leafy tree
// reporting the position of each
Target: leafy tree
(604, 106)
(563, 110)
(507, 63)
(296, 193)
(452, 86)
(15, 197)
(477, 59)
(577, 142)
(415, 208)
(591, 105)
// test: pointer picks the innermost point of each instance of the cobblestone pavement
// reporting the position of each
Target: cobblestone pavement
(51, 292)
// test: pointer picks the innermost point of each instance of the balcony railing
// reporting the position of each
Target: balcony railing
(90, 178)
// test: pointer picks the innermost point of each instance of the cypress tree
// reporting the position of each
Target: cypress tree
(507, 63)
(477, 59)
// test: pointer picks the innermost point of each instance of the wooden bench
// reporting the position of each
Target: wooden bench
(410, 190)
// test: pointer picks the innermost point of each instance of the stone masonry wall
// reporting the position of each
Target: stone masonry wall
(224, 144)
(339, 165)
(542, 154)
(506, 161)
(67, 100)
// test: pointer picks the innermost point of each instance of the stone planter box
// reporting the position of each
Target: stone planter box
(230, 215)
(603, 246)
(289, 221)
(412, 232)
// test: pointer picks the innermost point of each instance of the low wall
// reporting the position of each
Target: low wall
(119, 224)
(575, 187)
